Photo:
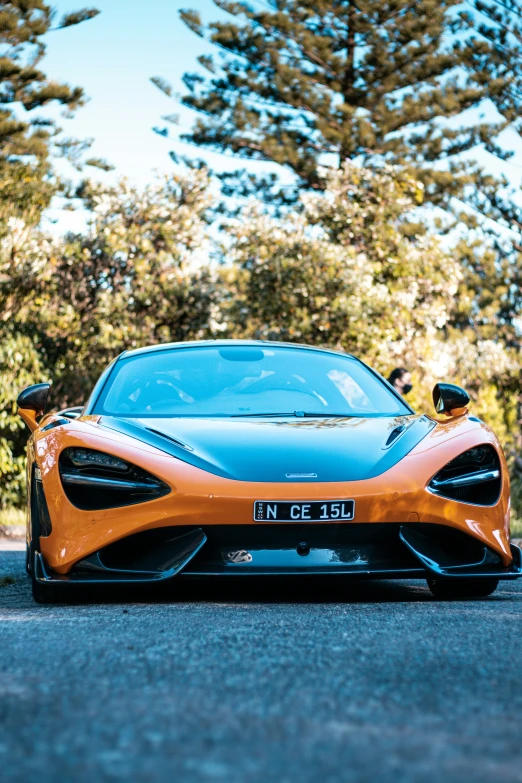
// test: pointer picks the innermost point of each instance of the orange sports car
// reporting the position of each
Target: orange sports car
(241, 458)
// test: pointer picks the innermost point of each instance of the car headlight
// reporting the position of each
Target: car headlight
(93, 480)
(85, 458)
(472, 477)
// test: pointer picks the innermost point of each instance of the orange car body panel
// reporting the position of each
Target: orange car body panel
(201, 498)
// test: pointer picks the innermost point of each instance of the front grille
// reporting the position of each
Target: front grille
(302, 547)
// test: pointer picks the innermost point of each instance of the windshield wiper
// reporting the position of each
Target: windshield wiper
(257, 415)
(297, 414)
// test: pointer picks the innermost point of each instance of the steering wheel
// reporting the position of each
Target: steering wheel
(163, 390)
(263, 386)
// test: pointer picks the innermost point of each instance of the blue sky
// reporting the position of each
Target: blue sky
(113, 57)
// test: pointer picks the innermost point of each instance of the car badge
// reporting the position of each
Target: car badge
(301, 475)
(242, 556)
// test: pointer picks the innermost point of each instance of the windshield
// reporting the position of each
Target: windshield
(244, 381)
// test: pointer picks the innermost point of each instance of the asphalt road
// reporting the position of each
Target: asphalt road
(312, 682)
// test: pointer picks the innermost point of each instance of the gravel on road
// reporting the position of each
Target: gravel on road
(307, 681)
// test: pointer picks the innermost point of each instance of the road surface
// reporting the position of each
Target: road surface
(312, 682)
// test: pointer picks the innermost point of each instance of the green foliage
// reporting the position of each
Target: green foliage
(342, 271)
(134, 278)
(303, 83)
(25, 191)
(78, 16)
(310, 85)
(516, 506)
(26, 183)
(22, 25)
(20, 365)
(318, 273)
(12, 517)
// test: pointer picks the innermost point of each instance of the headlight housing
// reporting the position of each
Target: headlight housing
(472, 477)
(93, 480)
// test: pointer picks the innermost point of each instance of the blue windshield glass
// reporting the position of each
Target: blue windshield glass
(242, 381)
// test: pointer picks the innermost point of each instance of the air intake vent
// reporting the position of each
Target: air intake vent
(472, 477)
(42, 508)
(394, 434)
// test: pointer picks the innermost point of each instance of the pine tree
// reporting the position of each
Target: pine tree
(309, 82)
(26, 143)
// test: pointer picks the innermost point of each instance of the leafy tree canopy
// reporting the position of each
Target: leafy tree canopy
(137, 276)
(22, 25)
(309, 82)
(27, 141)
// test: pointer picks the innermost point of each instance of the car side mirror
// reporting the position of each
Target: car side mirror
(32, 402)
(450, 399)
(34, 398)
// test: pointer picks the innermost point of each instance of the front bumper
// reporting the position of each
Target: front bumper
(378, 551)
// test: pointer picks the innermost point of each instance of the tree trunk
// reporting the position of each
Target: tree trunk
(346, 151)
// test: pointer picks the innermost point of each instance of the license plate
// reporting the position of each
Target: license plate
(303, 511)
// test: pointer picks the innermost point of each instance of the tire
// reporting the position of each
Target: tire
(447, 588)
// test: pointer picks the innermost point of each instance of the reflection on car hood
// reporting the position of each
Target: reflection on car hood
(275, 450)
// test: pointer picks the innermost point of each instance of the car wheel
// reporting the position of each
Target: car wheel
(462, 588)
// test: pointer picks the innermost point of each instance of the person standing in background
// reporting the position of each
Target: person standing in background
(400, 379)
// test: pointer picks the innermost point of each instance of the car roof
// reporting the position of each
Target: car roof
(222, 342)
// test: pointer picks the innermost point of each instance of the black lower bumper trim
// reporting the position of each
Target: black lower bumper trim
(427, 552)
(357, 550)
(175, 553)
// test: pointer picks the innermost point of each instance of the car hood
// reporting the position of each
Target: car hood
(282, 450)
